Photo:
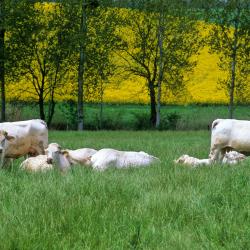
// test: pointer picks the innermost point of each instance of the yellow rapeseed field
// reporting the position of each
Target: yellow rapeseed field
(202, 86)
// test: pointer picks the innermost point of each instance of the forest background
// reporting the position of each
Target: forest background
(63, 61)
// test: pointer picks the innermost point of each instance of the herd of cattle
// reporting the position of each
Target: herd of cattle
(30, 138)
(229, 140)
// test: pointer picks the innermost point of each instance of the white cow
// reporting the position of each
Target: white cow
(192, 161)
(36, 163)
(229, 134)
(65, 158)
(23, 138)
(233, 157)
(107, 157)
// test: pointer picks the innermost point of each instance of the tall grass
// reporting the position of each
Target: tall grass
(159, 207)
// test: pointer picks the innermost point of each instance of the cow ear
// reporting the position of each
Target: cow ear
(65, 153)
(9, 137)
(87, 160)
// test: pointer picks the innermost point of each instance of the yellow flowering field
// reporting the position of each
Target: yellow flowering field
(201, 88)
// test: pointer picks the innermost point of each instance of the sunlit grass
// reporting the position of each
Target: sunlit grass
(159, 207)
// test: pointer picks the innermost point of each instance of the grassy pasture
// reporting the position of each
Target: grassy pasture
(160, 207)
(131, 116)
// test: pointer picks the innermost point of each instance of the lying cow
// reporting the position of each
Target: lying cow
(22, 138)
(192, 161)
(233, 157)
(107, 157)
(65, 158)
(42, 163)
(36, 163)
(229, 134)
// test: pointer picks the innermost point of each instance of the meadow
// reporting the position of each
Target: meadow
(159, 207)
(130, 116)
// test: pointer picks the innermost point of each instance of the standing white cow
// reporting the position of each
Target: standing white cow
(229, 134)
(107, 157)
(23, 138)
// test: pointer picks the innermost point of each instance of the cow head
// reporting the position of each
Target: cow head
(181, 159)
(4, 139)
(52, 151)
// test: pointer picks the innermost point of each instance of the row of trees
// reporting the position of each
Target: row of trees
(78, 42)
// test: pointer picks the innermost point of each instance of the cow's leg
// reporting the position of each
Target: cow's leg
(222, 153)
(7, 163)
(215, 154)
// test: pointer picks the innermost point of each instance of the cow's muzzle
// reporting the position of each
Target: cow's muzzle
(49, 161)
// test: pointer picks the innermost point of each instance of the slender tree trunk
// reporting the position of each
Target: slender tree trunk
(51, 109)
(232, 89)
(41, 107)
(2, 61)
(152, 104)
(101, 107)
(51, 112)
(82, 59)
(160, 78)
(233, 72)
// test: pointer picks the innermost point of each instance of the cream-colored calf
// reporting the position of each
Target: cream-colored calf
(36, 163)
(192, 161)
(233, 157)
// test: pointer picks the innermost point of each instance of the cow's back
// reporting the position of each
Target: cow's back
(30, 137)
(231, 133)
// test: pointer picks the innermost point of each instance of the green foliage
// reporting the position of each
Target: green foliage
(170, 121)
(145, 208)
(132, 117)
(69, 110)
(230, 38)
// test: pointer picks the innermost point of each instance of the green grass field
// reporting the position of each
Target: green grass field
(130, 117)
(159, 207)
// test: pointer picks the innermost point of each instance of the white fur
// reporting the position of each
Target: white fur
(23, 138)
(79, 156)
(64, 159)
(107, 157)
(37, 163)
(192, 161)
(229, 134)
(233, 157)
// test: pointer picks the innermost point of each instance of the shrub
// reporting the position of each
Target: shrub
(142, 121)
(170, 121)
(69, 110)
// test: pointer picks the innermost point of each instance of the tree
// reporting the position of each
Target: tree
(38, 45)
(159, 55)
(229, 37)
(2, 58)
(104, 43)
(78, 13)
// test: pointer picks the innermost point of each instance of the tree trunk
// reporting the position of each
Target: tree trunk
(41, 107)
(233, 71)
(152, 104)
(2, 61)
(101, 107)
(232, 88)
(82, 59)
(51, 111)
(160, 78)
